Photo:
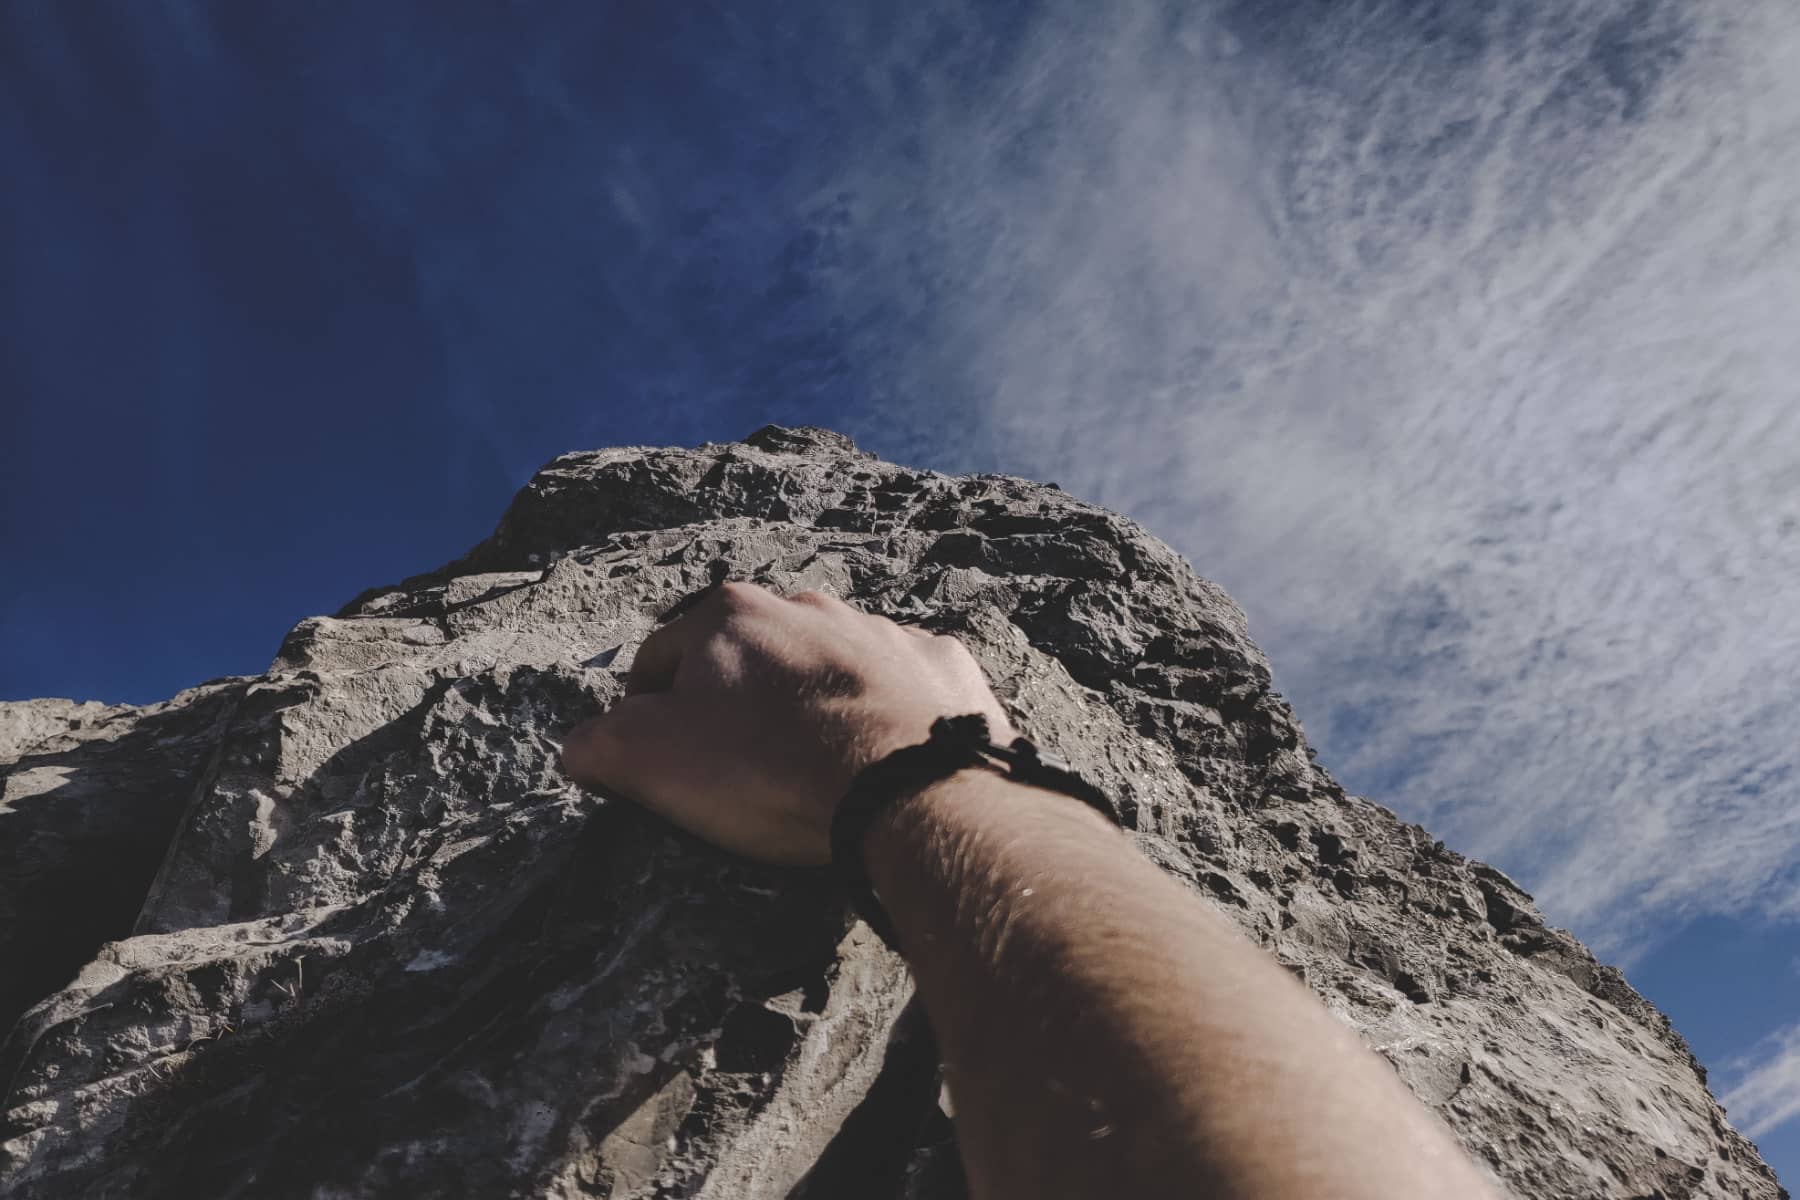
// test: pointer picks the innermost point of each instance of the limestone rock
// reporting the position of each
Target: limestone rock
(343, 929)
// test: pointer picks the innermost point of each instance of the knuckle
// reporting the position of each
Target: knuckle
(814, 597)
(736, 594)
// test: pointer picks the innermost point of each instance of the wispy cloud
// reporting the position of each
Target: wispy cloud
(1460, 349)
(1767, 1092)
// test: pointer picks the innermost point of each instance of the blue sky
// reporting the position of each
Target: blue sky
(1456, 345)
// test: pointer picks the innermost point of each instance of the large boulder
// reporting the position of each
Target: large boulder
(344, 929)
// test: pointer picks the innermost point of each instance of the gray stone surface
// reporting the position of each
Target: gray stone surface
(344, 930)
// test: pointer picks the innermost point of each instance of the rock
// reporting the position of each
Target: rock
(343, 929)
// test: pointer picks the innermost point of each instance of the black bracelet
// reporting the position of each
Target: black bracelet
(955, 743)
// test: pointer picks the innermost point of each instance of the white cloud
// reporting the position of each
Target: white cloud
(1464, 357)
(1767, 1092)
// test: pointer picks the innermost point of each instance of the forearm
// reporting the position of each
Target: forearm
(1104, 1032)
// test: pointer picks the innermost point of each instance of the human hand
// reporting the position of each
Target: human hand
(745, 719)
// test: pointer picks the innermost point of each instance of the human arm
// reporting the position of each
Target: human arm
(1103, 1030)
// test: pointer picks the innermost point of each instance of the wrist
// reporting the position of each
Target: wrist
(913, 847)
(903, 829)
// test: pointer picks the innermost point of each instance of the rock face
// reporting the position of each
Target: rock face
(344, 930)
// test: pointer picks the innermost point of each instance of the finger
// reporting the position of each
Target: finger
(627, 750)
(661, 653)
(659, 656)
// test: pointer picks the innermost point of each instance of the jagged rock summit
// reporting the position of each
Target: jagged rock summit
(343, 929)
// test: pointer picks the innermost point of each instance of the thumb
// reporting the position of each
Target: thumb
(628, 750)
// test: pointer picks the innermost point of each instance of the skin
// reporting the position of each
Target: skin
(1103, 1031)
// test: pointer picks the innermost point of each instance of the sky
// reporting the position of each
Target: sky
(1456, 341)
